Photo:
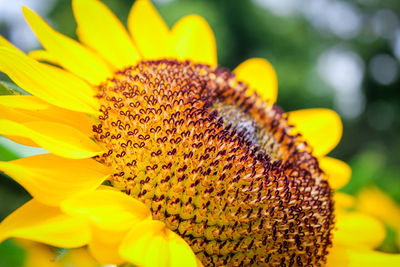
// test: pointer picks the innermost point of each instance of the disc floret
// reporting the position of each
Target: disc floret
(218, 166)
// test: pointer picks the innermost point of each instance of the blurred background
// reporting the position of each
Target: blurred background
(336, 54)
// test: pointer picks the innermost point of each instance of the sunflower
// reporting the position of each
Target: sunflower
(158, 157)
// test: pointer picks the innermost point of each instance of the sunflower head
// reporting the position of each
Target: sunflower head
(218, 166)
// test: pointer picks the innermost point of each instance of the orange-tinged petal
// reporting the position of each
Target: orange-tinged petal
(360, 257)
(38, 222)
(51, 179)
(105, 251)
(101, 30)
(150, 238)
(70, 54)
(321, 128)
(148, 29)
(49, 83)
(344, 201)
(358, 230)
(259, 74)
(338, 172)
(192, 39)
(376, 203)
(106, 209)
(57, 138)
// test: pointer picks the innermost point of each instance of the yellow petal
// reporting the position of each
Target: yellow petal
(49, 83)
(57, 138)
(148, 29)
(27, 102)
(112, 214)
(51, 179)
(101, 30)
(150, 238)
(192, 39)
(338, 172)
(38, 222)
(358, 230)
(344, 201)
(40, 255)
(359, 257)
(43, 55)
(259, 74)
(5, 43)
(376, 203)
(106, 209)
(321, 128)
(77, 120)
(70, 54)
(106, 251)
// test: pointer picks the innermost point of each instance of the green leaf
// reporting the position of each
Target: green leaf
(7, 88)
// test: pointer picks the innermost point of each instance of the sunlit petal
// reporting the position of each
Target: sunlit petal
(57, 138)
(52, 179)
(38, 222)
(193, 39)
(259, 74)
(150, 238)
(148, 29)
(338, 172)
(321, 128)
(101, 30)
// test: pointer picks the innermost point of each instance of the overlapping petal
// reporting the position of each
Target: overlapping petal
(373, 201)
(259, 74)
(25, 108)
(40, 255)
(42, 223)
(27, 102)
(51, 179)
(70, 54)
(358, 230)
(357, 257)
(43, 55)
(57, 138)
(150, 238)
(111, 214)
(344, 201)
(5, 43)
(49, 83)
(107, 208)
(338, 172)
(321, 128)
(101, 30)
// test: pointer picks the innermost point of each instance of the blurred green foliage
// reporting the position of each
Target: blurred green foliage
(294, 45)
(11, 254)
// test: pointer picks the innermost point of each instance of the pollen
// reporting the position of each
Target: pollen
(218, 165)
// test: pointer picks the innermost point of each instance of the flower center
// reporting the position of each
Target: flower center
(217, 166)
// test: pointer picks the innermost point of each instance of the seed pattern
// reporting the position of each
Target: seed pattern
(219, 167)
